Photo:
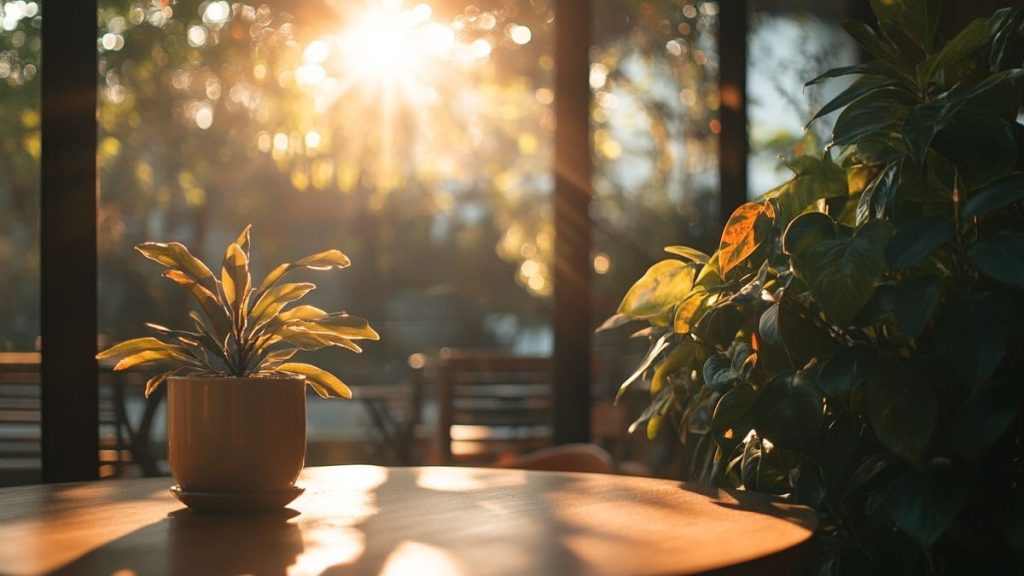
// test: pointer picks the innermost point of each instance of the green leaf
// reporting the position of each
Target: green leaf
(956, 59)
(972, 333)
(841, 271)
(876, 113)
(846, 370)
(872, 68)
(730, 421)
(691, 254)
(686, 355)
(768, 326)
(924, 502)
(660, 288)
(1000, 258)
(917, 239)
(176, 256)
(719, 374)
(658, 406)
(987, 414)
(919, 19)
(923, 123)
(902, 410)
(996, 195)
(614, 321)
(743, 234)
(324, 383)
(656, 348)
(984, 145)
(814, 179)
(790, 412)
(867, 37)
(860, 87)
(914, 300)
(878, 196)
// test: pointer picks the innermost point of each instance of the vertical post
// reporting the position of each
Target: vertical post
(571, 394)
(70, 390)
(733, 146)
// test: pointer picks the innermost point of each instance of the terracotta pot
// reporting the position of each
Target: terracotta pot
(236, 435)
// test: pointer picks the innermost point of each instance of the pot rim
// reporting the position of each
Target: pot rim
(267, 377)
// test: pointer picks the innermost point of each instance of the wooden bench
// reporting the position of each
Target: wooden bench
(21, 418)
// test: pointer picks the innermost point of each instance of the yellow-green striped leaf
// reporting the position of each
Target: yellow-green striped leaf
(324, 383)
(132, 346)
(176, 255)
(209, 303)
(236, 282)
(168, 353)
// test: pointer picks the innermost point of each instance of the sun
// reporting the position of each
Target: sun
(383, 47)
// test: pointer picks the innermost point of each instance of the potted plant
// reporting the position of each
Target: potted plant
(236, 401)
(854, 343)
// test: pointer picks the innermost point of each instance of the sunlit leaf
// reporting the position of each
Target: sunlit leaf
(325, 260)
(244, 240)
(132, 346)
(208, 303)
(153, 383)
(688, 310)
(742, 235)
(656, 348)
(168, 353)
(614, 321)
(176, 255)
(660, 288)
(235, 282)
(691, 254)
(324, 383)
(272, 301)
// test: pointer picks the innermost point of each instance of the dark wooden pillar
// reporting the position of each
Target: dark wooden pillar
(70, 394)
(571, 411)
(733, 146)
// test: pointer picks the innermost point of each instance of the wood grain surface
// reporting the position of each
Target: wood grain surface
(374, 520)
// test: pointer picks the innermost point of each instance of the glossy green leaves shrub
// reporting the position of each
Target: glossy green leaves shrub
(242, 329)
(855, 342)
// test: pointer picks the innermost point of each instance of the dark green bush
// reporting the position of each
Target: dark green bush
(855, 343)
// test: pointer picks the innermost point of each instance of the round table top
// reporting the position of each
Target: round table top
(375, 520)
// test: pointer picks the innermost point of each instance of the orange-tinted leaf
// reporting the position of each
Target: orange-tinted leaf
(740, 238)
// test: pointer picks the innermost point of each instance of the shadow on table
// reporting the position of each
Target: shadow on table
(189, 543)
(484, 527)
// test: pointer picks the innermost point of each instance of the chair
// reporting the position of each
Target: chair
(21, 418)
(491, 407)
(565, 458)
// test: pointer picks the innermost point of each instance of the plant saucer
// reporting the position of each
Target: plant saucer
(241, 503)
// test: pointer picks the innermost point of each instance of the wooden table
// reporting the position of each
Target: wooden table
(375, 520)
